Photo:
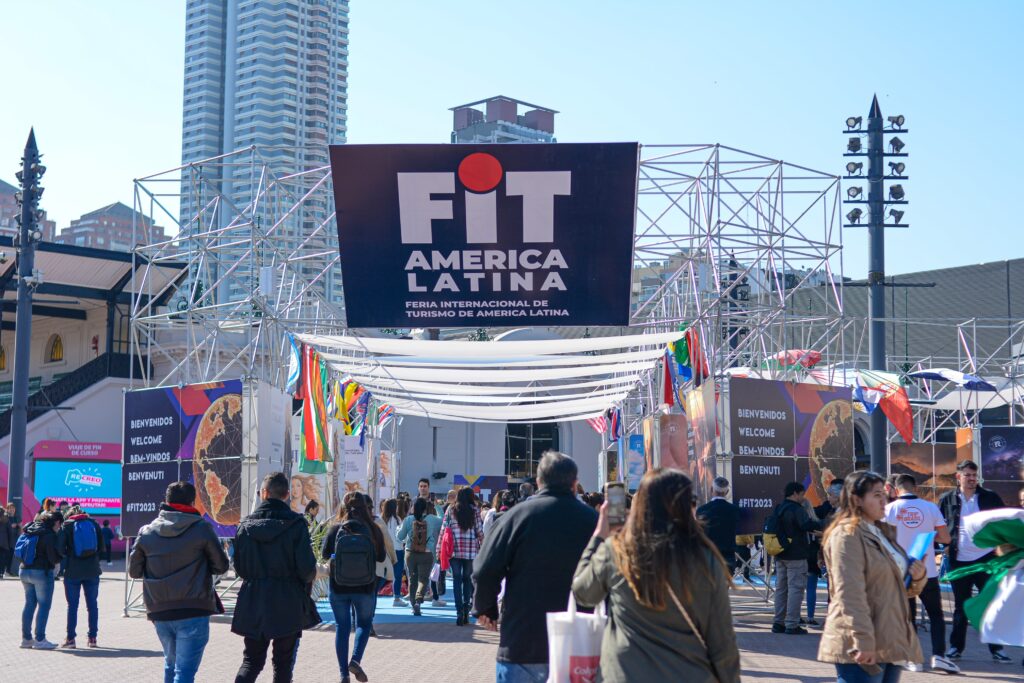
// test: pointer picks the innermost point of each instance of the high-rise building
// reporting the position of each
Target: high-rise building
(115, 226)
(497, 120)
(266, 73)
(9, 211)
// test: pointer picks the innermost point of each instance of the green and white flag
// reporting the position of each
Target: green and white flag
(996, 610)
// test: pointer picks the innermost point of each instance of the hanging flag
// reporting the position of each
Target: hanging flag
(680, 350)
(868, 398)
(314, 449)
(894, 403)
(697, 362)
(600, 424)
(294, 366)
(616, 423)
(667, 382)
(384, 413)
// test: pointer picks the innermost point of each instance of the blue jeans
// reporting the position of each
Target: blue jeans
(812, 594)
(507, 672)
(183, 641)
(38, 585)
(399, 571)
(72, 591)
(342, 605)
(462, 582)
(852, 673)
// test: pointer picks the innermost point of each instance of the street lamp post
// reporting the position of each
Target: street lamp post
(25, 241)
(876, 204)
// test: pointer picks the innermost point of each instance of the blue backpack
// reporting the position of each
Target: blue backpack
(25, 548)
(84, 536)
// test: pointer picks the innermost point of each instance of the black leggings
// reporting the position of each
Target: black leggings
(255, 656)
(931, 598)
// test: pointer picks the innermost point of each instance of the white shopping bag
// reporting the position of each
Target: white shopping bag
(574, 644)
(435, 573)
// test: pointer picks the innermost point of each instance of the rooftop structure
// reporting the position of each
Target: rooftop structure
(497, 120)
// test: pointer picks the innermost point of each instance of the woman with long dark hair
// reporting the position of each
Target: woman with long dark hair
(389, 515)
(668, 590)
(354, 544)
(463, 518)
(868, 628)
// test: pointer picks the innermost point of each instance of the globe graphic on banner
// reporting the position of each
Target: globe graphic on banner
(217, 463)
(831, 447)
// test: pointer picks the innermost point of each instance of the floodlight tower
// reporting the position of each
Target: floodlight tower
(876, 225)
(28, 279)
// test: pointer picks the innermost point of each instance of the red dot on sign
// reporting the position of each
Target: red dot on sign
(480, 172)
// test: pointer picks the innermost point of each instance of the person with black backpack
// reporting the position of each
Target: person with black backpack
(81, 542)
(355, 545)
(419, 532)
(36, 549)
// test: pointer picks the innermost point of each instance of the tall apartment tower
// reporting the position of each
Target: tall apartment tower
(266, 73)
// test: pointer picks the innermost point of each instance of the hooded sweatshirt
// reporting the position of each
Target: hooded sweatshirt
(176, 556)
(47, 556)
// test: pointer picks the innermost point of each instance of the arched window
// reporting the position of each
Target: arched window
(55, 349)
(524, 446)
(3, 358)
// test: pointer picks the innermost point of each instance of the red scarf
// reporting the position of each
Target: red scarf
(183, 508)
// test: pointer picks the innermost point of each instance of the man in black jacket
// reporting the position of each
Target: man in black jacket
(791, 564)
(967, 498)
(177, 556)
(37, 580)
(720, 518)
(535, 548)
(81, 571)
(274, 558)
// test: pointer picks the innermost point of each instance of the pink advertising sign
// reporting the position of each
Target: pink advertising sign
(77, 450)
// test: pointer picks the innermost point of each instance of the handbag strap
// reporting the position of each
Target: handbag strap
(686, 615)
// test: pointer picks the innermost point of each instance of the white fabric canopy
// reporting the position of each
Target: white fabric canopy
(627, 381)
(360, 372)
(492, 349)
(514, 361)
(497, 381)
(389, 394)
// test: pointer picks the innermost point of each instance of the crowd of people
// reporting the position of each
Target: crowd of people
(664, 575)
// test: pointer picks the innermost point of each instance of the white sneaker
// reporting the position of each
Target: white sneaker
(912, 666)
(438, 603)
(44, 645)
(399, 602)
(943, 664)
(28, 644)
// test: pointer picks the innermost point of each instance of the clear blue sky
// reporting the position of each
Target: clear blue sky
(104, 83)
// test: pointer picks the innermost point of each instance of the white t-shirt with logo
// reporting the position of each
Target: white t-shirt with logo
(912, 516)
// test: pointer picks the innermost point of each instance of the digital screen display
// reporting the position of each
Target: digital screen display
(96, 486)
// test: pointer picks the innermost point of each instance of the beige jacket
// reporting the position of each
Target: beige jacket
(868, 611)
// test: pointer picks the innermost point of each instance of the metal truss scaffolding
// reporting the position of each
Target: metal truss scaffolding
(728, 242)
(724, 242)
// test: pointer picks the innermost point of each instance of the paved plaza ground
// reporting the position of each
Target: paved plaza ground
(436, 651)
